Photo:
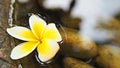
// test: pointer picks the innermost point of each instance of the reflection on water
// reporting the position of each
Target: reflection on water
(79, 19)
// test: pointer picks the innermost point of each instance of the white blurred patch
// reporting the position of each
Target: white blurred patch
(53, 4)
(12, 1)
(23, 1)
(91, 11)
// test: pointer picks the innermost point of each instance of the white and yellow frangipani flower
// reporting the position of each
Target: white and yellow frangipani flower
(42, 36)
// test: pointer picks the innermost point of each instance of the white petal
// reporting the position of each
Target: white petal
(51, 32)
(37, 25)
(47, 49)
(21, 33)
(23, 50)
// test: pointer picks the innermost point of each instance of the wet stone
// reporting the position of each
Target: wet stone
(108, 56)
(5, 47)
(75, 45)
(74, 63)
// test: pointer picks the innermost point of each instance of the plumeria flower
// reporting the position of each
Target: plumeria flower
(42, 36)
